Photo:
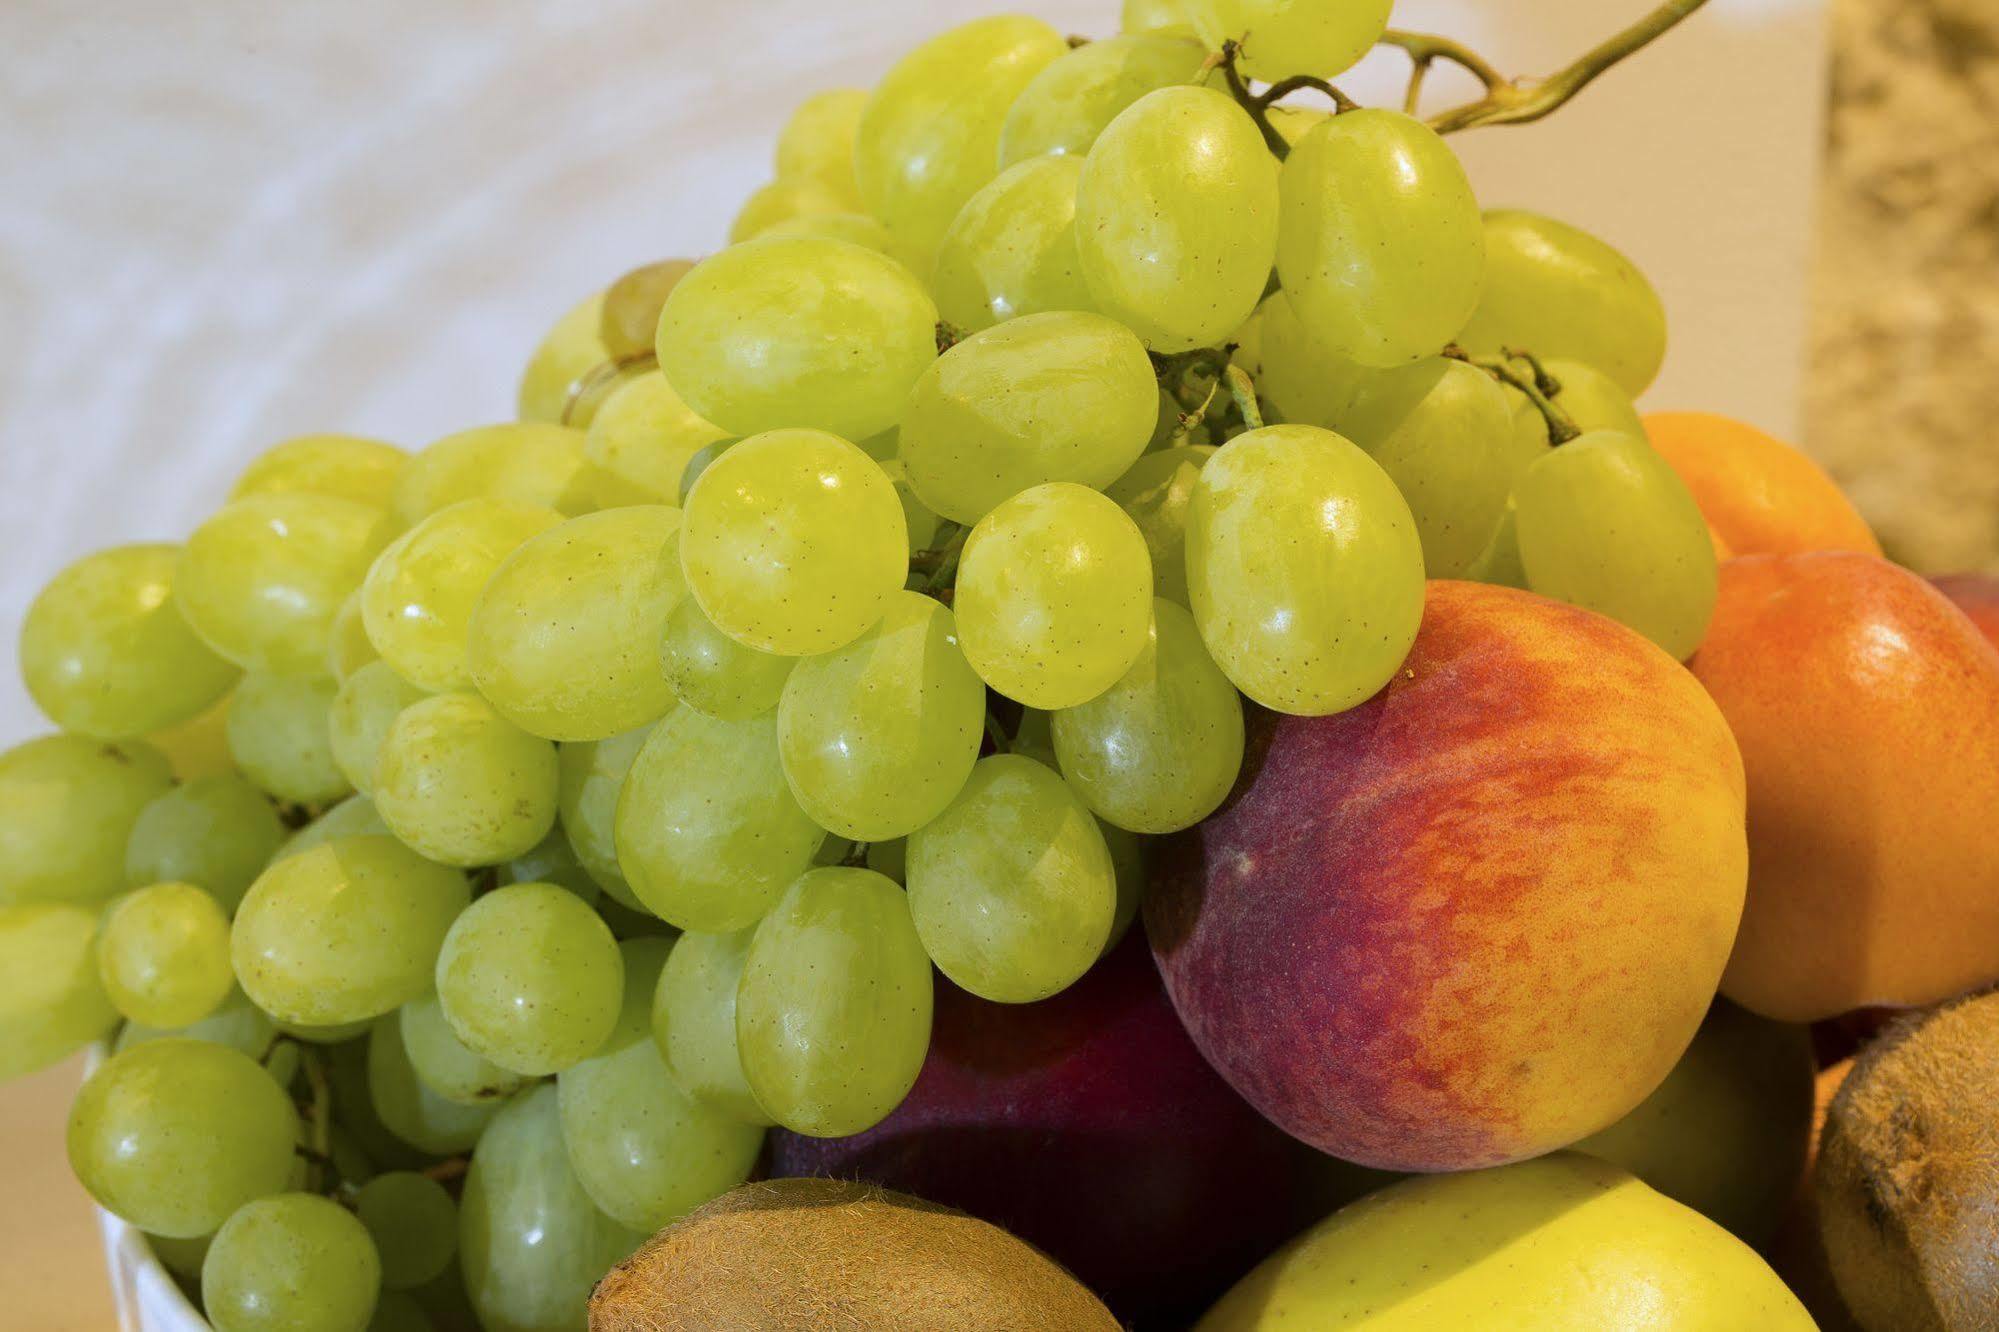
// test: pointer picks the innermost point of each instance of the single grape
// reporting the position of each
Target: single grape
(345, 931)
(406, 1105)
(527, 462)
(1499, 562)
(347, 645)
(1054, 593)
(1592, 399)
(1012, 888)
(817, 143)
(365, 707)
(215, 832)
(182, 1257)
(446, 1064)
(929, 136)
(833, 1009)
(568, 377)
(1011, 250)
(713, 673)
(530, 978)
(920, 522)
(797, 332)
(565, 638)
(783, 201)
(793, 542)
(1159, 750)
(1176, 217)
(1066, 105)
(163, 955)
(174, 1135)
(1280, 38)
(889, 858)
(353, 817)
(1558, 291)
(878, 736)
(1163, 16)
(51, 999)
(1047, 397)
(1296, 375)
(236, 1023)
(67, 808)
(1443, 431)
(694, 1022)
(328, 1034)
(1128, 864)
(708, 832)
(1605, 523)
(105, 651)
(640, 442)
(294, 1263)
(280, 737)
(854, 228)
(262, 580)
(461, 784)
(644, 1150)
(418, 598)
(1304, 567)
(630, 314)
(591, 776)
(1034, 737)
(1155, 493)
(198, 747)
(414, 1224)
(344, 466)
(1380, 249)
(531, 1244)
(698, 463)
(551, 860)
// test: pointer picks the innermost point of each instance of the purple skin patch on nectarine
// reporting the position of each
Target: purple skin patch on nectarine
(1477, 917)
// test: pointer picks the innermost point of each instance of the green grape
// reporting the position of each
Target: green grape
(565, 381)
(236, 1023)
(174, 1135)
(591, 776)
(797, 332)
(1297, 376)
(530, 1242)
(418, 598)
(353, 817)
(854, 228)
(104, 649)
(1605, 523)
(694, 1022)
(630, 316)
(1165, 16)
(198, 747)
(414, 1224)
(1034, 737)
(51, 1000)
(889, 858)
(262, 580)
(279, 736)
(182, 1257)
(565, 638)
(551, 860)
(1176, 218)
(1304, 567)
(1128, 865)
(406, 1105)
(793, 542)
(1558, 291)
(462, 785)
(1066, 105)
(1011, 250)
(330, 1034)
(1155, 493)
(1062, 396)
(294, 1263)
(343, 466)
(878, 736)
(644, 1150)
(215, 832)
(1293, 123)
(833, 1009)
(528, 462)
(1012, 889)
(366, 706)
(67, 806)
(1280, 38)
(163, 955)
(713, 673)
(400, 1311)
(347, 645)
(708, 832)
(1592, 399)
(446, 1064)
(1054, 593)
(1499, 562)
(1159, 750)
(354, 1119)
(530, 978)
(639, 444)
(783, 201)
(817, 143)
(698, 463)
(929, 136)
(1380, 249)
(345, 931)
(1444, 433)
(920, 522)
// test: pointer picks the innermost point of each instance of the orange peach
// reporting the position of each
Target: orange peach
(1760, 495)
(1867, 708)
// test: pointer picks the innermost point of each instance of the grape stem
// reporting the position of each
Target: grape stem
(939, 564)
(1543, 380)
(1258, 104)
(1519, 101)
(446, 1171)
(1561, 426)
(1243, 389)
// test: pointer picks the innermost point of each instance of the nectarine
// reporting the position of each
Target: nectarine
(1760, 495)
(1977, 595)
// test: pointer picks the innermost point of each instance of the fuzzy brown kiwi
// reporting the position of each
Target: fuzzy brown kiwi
(827, 1254)
(1908, 1174)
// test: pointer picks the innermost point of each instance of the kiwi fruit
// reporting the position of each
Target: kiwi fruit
(828, 1254)
(1908, 1174)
